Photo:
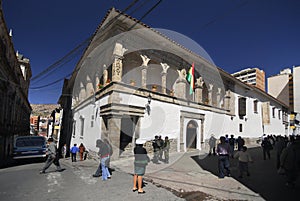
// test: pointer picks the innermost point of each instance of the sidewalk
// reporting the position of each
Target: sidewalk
(183, 174)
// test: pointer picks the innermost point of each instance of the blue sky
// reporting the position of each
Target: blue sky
(235, 33)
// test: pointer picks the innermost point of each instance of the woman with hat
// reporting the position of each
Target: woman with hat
(140, 162)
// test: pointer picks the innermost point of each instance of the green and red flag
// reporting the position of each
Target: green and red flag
(190, 78)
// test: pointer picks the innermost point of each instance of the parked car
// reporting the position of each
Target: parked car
(29, 147)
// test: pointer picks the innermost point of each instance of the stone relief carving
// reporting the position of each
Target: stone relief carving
(165, 67)
(145, 60)
(182, 75)
(199, 82)
(210, 87)
(105, 74)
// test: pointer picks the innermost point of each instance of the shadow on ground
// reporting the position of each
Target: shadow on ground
(263, 178)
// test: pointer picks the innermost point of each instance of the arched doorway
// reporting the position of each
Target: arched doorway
(191, 135)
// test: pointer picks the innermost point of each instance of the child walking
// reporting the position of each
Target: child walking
(244, 158)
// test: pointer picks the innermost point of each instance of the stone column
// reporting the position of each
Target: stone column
(114, 134)
(164, 77)
(181, 140)
(210, 89)
(180, 87)
(144, 70)
(199, 90)
(218, 97)
(117, 65)
(227, 100)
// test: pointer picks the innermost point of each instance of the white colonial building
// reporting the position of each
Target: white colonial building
(131, 83)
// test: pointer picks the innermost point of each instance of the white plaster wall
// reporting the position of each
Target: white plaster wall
(164, 120)
(92, 127)
(276, 126)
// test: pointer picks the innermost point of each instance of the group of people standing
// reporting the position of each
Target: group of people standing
(287, 155)
(160, 147)
(225, 149)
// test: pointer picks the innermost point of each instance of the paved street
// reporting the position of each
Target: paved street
(24, 183)
(192, 175)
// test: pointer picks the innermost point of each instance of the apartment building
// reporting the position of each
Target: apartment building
(252, 76)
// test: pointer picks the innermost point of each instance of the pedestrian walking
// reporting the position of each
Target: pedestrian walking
(290, 162)
(212, 145)
(240, 143)
(279, 146)
(74, 151)
(231, 144)
(223, 151)
(104, 155)
(155, 149)
(160, 143)
(141, 160)
(110, 155)
(166, 149)
(81, 151)
(267, 147)
(98, 172)
(244, 158)
(52, 157)
(64, 151)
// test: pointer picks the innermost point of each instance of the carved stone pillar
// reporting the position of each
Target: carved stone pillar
(164, 77)
(180, 86)
(227, 100)
(199, 90)
(218, 97)
(144, 70)
(117, 65)
(114, 133)
(144, 77)
(210, 90)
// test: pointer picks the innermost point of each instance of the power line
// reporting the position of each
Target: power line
(52, 83)
(73, 51)
(88, 40)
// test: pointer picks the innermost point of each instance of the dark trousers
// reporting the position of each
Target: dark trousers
(73, 157)
(51, 160)
(223, 165)
(266, 152)
(243, 167)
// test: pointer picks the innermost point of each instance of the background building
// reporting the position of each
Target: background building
(286, 87)
(15, 74)
(252, 76)
(281, 87)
